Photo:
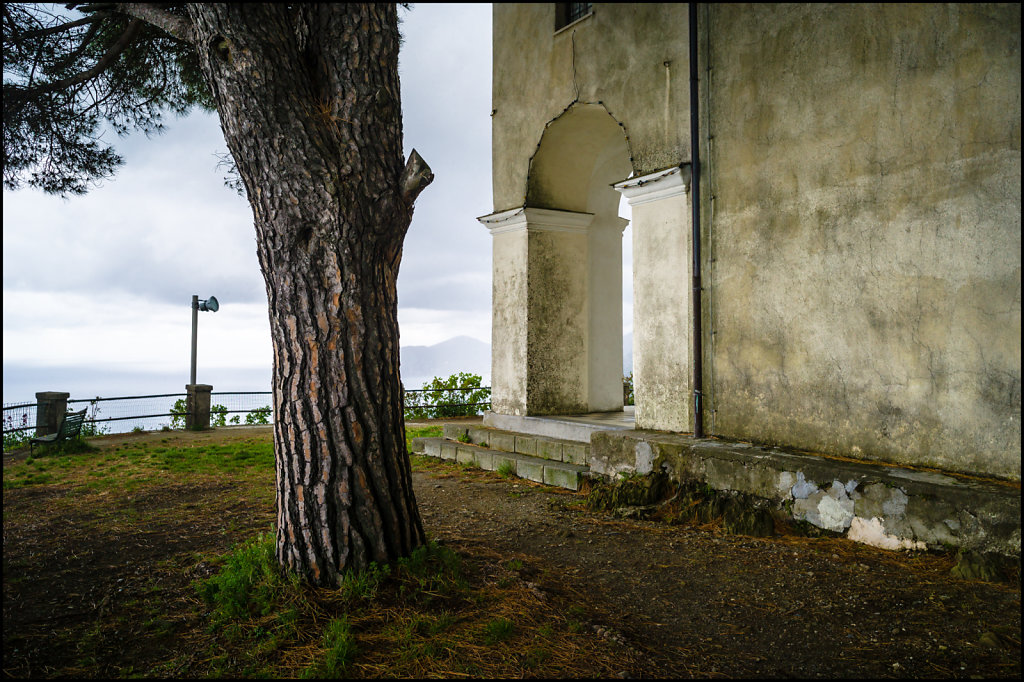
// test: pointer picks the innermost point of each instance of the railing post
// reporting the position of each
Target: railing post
(50, 409)
(197, 406)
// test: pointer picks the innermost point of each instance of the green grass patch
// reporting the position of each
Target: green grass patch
(507, 469)
(498, 630)
(362, 584)
(432, 570)
(421, 432)
(339, 651)
(251, 583)
(135, 465)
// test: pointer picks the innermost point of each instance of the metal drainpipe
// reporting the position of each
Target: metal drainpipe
(698, 368)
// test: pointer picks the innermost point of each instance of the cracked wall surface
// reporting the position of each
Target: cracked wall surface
(615, 57)
(884, 506)
(863, 260)
(861, 211)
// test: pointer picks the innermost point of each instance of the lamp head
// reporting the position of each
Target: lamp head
(209, 304)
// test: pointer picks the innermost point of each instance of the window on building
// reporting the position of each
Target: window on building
(568, 12)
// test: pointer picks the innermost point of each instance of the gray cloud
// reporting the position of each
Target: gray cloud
(166, 228)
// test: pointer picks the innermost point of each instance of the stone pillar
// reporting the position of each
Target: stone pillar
(51, 406)
(604, 349)
(540, 331)
(662, 304)
(197, 406)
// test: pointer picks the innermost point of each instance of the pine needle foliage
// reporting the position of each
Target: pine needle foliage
(73, 73)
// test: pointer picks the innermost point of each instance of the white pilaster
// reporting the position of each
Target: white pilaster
(662, 303)
(540, 313)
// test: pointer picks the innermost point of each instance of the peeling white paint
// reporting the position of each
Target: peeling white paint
(644, 457)
(803, 489)
(873, 533)
(786, 480)
(835, 514)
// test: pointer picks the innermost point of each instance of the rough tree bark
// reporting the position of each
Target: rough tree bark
(308, 98)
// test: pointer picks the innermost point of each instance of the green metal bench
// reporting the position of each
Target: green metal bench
(70, 427)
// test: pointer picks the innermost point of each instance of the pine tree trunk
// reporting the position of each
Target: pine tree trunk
(310, 108)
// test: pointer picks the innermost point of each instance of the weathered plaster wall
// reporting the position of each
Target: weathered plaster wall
(662, 300)
(884, 506)
(508, 321)
(541, 343)
(604, 338)
(570, 309)
(616, 57)
(557, 333)
(863, 270)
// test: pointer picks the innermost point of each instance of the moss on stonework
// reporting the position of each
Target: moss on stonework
(635, 491)
(688, 502)
(971, 565)
(740, 514)
(809, 530)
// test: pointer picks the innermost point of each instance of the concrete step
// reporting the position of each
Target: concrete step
(541, 447)
(549, 472)
(577, 428)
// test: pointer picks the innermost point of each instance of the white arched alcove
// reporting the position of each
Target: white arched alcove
(557, 299)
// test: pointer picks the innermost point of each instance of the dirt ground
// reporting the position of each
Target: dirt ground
(677, 601)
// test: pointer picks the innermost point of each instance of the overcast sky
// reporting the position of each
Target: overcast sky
(97, 289)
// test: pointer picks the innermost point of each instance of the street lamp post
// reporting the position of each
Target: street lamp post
(210, 305)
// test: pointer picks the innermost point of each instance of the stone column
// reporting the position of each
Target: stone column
(662, 304)
(197, 406)
(541, 307)
(51, 406)
(605, 288)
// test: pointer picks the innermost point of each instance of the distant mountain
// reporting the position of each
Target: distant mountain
(458, 354)
(466, 354)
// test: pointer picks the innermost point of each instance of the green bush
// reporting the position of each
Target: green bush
(219, 415)
(178, 411)
(460, 395)
(261, 415)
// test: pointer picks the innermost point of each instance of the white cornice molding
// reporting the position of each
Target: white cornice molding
(655, 186)
(536, 220)
(497, 221)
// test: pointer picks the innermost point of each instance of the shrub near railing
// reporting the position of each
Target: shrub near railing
(17, 430)
(219, 415)
(460, 395)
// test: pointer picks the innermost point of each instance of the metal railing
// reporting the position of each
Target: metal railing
(19, 417)
(143, 411)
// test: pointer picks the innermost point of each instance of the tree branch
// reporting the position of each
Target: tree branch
(415, 178)
(83, 45)
(179, 27)
(41, 32)
(116, 49)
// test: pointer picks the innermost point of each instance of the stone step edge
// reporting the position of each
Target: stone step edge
(560, 474)
(542, 447)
